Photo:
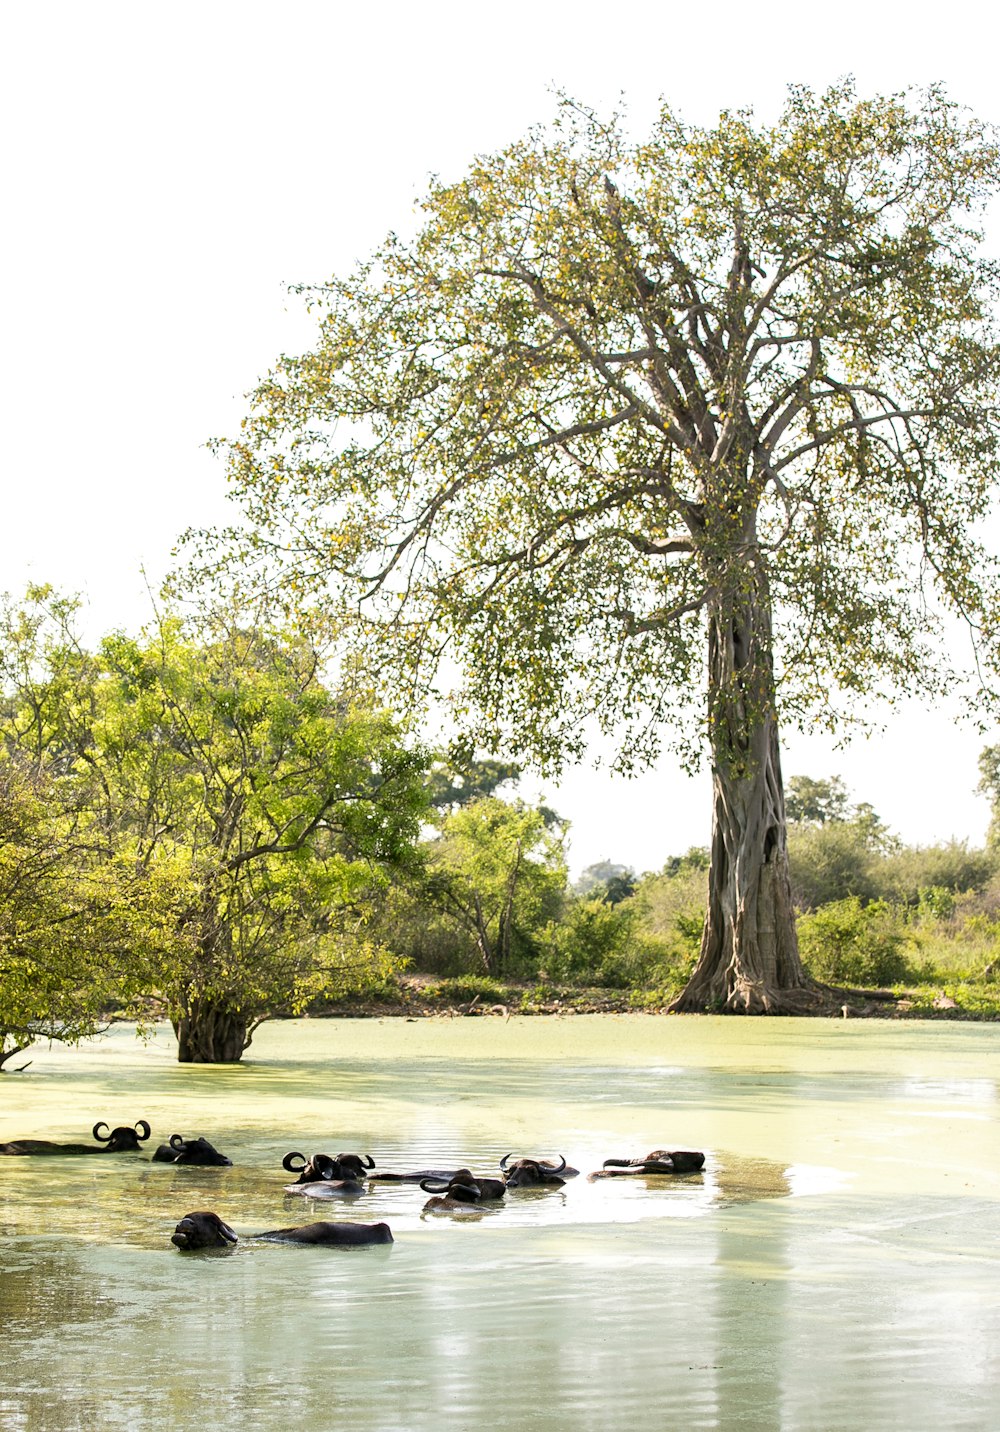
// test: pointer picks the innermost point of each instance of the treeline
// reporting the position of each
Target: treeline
(197, 823)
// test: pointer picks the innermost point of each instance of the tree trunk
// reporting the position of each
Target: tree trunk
(210, 1033)
(749, 961)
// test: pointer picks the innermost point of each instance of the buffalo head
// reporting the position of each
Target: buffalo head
(123, 1139)
(534, 1173)
(322, 1166)
(179, 1150)
(202, 1230)
(466, 1187)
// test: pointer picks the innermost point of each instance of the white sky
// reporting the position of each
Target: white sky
(167, 170)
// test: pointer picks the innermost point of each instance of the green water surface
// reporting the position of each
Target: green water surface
(834, 1267)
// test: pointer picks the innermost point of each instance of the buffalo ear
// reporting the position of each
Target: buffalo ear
(227, 1232)
(324, 1165)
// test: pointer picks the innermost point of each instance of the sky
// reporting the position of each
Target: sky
(168, 172)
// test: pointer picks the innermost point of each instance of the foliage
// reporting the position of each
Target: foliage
(910, 872)
(496, 873)
(606, 880)
(846, 942)
(989, 784)
(79, 924)
(732, 385)
(600, 942)
(221, 770)
(815, 802)
(831, 862)
(455, 782)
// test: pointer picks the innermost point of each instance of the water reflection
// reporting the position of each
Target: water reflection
(826, 1269)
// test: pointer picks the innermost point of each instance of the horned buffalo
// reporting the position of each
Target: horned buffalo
(197, 1231)
(179, 1150)
(535, 1173)
(660, 1161)
(321, 1176)
(462, 1188)
(122, 1140)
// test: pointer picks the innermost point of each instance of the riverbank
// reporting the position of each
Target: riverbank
(424, 996)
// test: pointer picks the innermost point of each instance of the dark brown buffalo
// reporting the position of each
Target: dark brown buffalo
(333, 1235)
(324, 1177)
(202, 1230)
(122, 1140)
(660, 1161)
(535, 1173)
(465, 1187)
(179, 1150)
(438, 1174)
(198, 1231)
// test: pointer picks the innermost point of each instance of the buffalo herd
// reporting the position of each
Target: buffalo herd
(346, 1176)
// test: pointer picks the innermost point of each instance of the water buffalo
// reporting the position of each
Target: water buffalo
(322, 1166)
(202, 1230)
(334, 1235)
(660, 1161)
(463, 1187)
(122, 1140)
(535, 1173)
(324, 1177)
(179, 1150)
(198, 1231)
(418, 1175)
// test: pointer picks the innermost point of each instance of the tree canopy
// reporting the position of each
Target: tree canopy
(621, 412)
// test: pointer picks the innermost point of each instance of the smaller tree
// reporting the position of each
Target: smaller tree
(811, 802)
(276, 803)
(496, 871)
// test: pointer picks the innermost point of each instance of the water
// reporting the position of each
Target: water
(835, 1267)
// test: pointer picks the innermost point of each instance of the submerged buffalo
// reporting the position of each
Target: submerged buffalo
(417, 1176)
(197, 1231)
(462, 1188)
(321, 1176)
(660, 1161)
(122, 1140)
(178, 1150)
(202, 1230)
(535, 1173)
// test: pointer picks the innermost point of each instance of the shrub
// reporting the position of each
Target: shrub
(845, 942)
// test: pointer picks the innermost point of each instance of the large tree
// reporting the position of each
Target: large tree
(623, 414)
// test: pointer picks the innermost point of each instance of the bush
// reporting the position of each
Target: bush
(953, 867)
(470, 987)
(596, 943)
(830, 863)
(846, 942)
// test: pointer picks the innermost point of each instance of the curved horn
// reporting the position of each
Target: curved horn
(177, 1142)
(550, 1168)
(227, 1232)
(102, 1138)
(286, 1163)
(367, 1160)
(617, 1163)
(140, 1124)
(434, 1185)
(504, 1162)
